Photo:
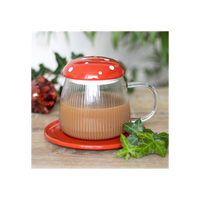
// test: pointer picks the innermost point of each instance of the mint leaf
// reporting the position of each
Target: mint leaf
(133, 127)
(127, 148)
(148, 145)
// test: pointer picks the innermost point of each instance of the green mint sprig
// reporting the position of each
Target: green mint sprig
(141, 141)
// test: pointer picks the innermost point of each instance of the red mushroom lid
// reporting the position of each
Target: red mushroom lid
(93, 68)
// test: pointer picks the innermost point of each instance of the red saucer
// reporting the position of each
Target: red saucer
(54, 134)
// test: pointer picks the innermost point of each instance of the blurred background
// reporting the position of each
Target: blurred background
(144, 55)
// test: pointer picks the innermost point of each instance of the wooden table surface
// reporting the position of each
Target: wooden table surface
(48, 155)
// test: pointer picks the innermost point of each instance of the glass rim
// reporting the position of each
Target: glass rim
(94, 82)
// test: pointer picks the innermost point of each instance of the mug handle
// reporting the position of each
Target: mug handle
(146, 85)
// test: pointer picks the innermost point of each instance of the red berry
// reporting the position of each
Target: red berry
(41, 95)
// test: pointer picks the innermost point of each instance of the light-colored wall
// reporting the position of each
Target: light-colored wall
(43, 53)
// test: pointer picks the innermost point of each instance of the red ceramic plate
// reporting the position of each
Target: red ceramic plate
(54, 134)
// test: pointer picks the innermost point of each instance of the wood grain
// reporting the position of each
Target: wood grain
(44, 154)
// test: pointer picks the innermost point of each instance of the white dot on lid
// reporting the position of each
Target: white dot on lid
(100, 73)
(86, 62)
(70, 69)
(106, 59)
(111, 67)
(83, 58)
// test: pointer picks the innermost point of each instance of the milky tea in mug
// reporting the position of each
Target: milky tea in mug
(94, 123)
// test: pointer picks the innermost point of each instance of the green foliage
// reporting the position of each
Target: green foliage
(49, 33)
(66, 36)
(148, 145)
(161, 136)
(33, 73)
(61, 62)
(133, 128)
(148, 131)
(133, 139)
(127, 148)
(133, 76)
(90, 36)
(142, 142)
(42, 70)
(133, 40)
(115, 38)
(165, 137)
(140, 39)
(153, 36)
(74, 56)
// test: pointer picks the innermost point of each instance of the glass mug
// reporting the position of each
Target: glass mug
(94, 102)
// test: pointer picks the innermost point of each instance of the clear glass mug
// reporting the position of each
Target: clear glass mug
(95, 109)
